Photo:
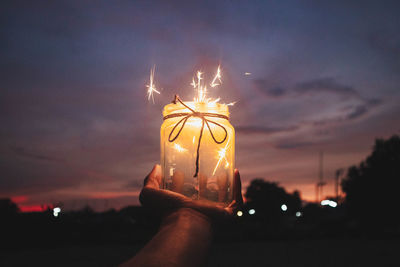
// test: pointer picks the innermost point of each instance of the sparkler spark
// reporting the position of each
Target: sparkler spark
(214, 101)
(217, 77)
(222, 155)
(179, 148)
(151, 88)
(201, 89)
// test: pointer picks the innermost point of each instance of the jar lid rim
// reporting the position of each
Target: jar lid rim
(217, 108)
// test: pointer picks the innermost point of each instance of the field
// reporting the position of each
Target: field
(334, 252)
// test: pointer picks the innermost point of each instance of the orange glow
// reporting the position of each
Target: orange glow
(179, 148)
(33, 208)
(19, 199)
(109, 195)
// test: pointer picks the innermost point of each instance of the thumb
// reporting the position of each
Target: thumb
(237, 188)
(153, 179)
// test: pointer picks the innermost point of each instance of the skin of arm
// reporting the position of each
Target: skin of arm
(185, 234)
(183, 240)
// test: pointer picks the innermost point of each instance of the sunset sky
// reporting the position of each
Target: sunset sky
(76, 126)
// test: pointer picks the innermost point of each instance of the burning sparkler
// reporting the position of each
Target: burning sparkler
(217, 77)
(151, 87)
(222, 155)
(179, 148)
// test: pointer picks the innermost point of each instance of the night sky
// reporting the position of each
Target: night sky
(76, 125)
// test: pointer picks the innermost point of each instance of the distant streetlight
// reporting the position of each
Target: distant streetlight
(299, 214)
(284, 207)
(56, 211)
(252, 211)
(239, 213)
(328, 202)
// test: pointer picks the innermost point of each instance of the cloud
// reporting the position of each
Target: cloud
(357, 112)
(325, 85)
(353, 113)
(272, 91)
(264, 130)
(360, 110)
(312, 87)
(293, 145)
(20, 151)
(134, 184)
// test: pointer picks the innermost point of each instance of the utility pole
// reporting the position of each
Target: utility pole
(321, 183)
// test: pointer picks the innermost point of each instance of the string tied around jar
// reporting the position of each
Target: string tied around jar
(204, 116)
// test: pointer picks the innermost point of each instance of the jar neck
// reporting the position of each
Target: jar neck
(202, 107)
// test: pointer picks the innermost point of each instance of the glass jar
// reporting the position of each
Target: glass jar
(198, 150)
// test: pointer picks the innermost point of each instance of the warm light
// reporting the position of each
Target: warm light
(299, 214)
(213, 102)
(239, 213)
(195, 122)
(151, 87)
(247, 73)
(179, 148)
(202, 129)
(56, 211)
(217, 77)
(201, 89)
(222, 155)
(284, 207)
(328, 202)
(252, 211)
(222, 152)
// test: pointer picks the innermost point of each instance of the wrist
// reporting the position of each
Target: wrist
(188, 219)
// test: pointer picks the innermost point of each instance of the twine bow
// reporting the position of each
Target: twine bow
(203, 116)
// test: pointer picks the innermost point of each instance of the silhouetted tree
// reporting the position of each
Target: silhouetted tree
(372, 188)
(267, 199)
(8, 207)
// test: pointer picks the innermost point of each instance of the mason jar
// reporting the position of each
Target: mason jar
(198, 150)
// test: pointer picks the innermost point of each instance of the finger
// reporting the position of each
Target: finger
(202, 185)
(177, 181)
(222, 181)
(153, 180)
(237, 188)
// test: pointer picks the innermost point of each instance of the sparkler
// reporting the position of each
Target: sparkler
(201, 89)
(222, 155)
(179, 148)
(217, 77)
(198, 85)
(151, 88)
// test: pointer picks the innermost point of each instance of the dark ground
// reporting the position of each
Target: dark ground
(334, 252)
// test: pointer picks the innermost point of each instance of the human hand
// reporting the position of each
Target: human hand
(166, 201)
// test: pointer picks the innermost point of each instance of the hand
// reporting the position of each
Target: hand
(165, 201)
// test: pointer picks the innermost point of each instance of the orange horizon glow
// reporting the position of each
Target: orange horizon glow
(34, 208)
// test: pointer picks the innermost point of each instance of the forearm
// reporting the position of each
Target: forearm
(183, 240)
